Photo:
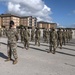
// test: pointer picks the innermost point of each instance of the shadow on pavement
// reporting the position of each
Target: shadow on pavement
(47, 50)
(38, 49)
(40, 44)
(3, 56)
(65, 53)
(72, 42)
(68, 49)
(69, 44)
(3, 43)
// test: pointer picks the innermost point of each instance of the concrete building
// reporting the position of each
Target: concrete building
(34, 22)
(26, 21)
(47, 25)
(5, 19)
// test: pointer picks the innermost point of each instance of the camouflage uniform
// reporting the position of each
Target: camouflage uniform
(0, 32)
(12, 36)
(70, 34)
(67, 35)
(64, 37)
(59, 40)
(32, 34)
(46, 35)
(21, 34)
(52, 41)
(12, 42)
(26, 35)
(4, 32)
(37, 36)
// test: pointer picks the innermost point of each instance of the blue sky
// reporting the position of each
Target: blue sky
(63, 11)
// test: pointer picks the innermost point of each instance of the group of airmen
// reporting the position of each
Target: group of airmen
(55, 38)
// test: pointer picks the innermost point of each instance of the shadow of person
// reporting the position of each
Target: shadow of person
(3, 56)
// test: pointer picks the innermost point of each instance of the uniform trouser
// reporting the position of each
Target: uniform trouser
(46, 39)
(32, 37)
(37, 40)
(67, 39)
(71, 36)
(26, 43)
(59, 42)
(52, 45)
(22, 39)
(12, 50)
(64, 40)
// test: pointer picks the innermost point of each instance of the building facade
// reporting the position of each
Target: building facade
(47, 25)
(26, 21)
(34, 22)
(5, 19)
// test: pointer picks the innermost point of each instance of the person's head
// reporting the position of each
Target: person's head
(63, 29)
(59, 29)
(11, 23)
(53, 29)
(37, 28)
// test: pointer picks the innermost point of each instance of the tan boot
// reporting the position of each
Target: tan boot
(15, 61)
(7, 59)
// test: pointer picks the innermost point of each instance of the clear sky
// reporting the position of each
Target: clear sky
(59, 11)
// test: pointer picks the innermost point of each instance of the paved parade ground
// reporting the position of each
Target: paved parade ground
(36, 60)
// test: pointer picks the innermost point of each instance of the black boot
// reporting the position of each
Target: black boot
(53, 51)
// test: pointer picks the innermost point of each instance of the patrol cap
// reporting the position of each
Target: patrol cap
(59, 28)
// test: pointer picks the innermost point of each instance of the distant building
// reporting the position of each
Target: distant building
(26, 21)
(47, 25)
(5, 19)
(34, 22)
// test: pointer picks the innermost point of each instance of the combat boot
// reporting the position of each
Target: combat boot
(39, 44)
(15, 61)
(60, 47)
(24, 47)
(27, 48)
(7, 59)
(53, 51)
(49, 51)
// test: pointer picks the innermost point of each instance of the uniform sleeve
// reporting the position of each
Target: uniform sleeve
(28, 33)
(56, 35)
(39, 33)
(6, 33)
(17, 36)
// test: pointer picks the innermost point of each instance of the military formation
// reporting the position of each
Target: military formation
(55, 37)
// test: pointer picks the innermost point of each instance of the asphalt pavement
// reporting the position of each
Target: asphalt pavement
(36, 60)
